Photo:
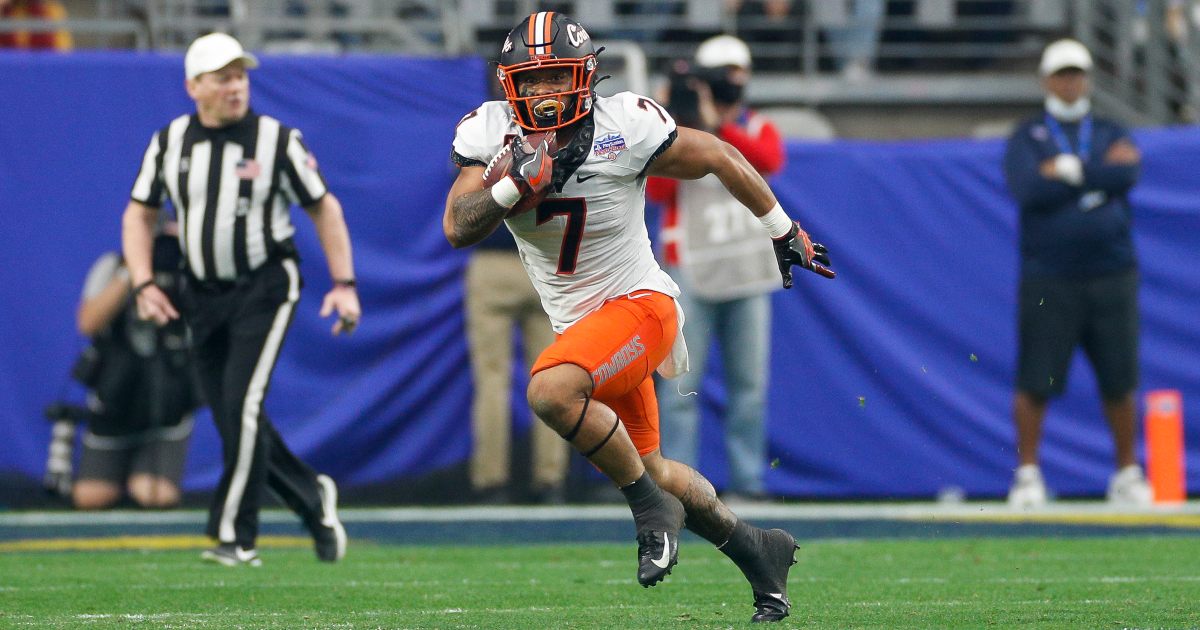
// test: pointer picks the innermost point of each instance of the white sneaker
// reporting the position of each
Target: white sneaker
(1127, 487)
(329, 536)
(231, 555)
(1028, 490)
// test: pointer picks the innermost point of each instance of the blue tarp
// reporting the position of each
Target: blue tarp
(892, 381)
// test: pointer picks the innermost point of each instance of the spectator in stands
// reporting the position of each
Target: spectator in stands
(776, 24)
(855, 44)
(499, 296)
(35, 10)
(142, 389)
(1179, 27)
(1071, 172)
(726, 271)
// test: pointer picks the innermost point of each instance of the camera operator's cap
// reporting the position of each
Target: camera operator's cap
(723, 50)
(1065, 53)
(213, 52)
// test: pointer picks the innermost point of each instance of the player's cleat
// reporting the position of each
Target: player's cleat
(231, 555)
(768, 575)
(1028, 490)
(329, 536)
(658, 540)
(658, 552)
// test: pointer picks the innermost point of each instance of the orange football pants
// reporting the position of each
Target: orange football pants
(620, 345)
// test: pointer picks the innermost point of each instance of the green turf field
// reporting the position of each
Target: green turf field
(1105, 582)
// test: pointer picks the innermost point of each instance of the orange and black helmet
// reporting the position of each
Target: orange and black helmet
(548, 39)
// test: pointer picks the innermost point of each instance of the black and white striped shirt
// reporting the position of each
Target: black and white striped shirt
(232, 189)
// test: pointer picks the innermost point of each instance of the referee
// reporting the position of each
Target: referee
(232, 176)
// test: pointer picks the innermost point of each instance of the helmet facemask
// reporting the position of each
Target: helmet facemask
(544, 112)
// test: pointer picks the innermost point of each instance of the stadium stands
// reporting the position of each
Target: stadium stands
(969, 60)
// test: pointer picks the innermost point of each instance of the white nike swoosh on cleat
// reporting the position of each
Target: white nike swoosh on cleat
(666, 559)
(776, 595)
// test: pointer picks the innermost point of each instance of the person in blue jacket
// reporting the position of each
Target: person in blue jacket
(1071, 172)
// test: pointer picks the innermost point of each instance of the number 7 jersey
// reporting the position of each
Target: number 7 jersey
(587, 241)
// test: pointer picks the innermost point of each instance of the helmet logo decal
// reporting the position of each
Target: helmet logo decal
(508, 45)
(576, 35)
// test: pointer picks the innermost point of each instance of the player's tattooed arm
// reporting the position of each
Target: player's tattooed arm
(476, 215)
(695, 154)
(471, 212)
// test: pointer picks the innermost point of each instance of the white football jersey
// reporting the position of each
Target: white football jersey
(588, 242)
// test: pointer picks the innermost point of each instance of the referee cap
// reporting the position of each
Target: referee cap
(723, 50)
(213, 52)
(1065, 53)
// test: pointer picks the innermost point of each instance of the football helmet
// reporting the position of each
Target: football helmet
(548, 39)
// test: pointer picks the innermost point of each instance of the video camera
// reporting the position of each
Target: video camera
(683, 99)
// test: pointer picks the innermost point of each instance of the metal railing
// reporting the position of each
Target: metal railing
(1144, 72)
(410, 26)
(934, 51)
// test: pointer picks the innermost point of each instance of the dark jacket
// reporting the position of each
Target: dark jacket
(1071, 231)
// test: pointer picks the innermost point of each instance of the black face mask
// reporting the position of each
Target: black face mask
(725, 91)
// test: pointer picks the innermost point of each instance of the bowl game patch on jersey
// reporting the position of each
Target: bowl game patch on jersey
(610, 146)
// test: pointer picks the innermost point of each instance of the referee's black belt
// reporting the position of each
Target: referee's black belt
(225, 286)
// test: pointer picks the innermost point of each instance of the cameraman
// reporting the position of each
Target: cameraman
(717, 253)
(141, 389)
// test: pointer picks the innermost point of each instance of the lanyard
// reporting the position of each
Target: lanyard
(1064, 143)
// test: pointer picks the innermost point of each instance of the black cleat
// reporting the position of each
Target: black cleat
(231, 555)
(658, 540)
(329, 536)
(768, 575)
(658, 552)
(770, 607)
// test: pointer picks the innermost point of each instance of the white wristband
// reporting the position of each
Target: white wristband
(777, 222)
(1069, 168)
(506, 193)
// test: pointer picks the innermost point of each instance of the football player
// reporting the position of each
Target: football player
(586, 248)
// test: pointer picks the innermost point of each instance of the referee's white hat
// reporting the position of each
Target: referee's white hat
(213, 52)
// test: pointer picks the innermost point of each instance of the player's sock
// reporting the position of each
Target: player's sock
(646, 501)
(743, 544)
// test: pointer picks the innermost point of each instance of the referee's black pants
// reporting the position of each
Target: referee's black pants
(237, 331)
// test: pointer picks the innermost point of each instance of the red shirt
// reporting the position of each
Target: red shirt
(758, 140)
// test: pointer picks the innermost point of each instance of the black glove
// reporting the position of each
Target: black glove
(532, 166)
(795, 248)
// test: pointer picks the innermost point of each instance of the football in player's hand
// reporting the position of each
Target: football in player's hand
(502, 166)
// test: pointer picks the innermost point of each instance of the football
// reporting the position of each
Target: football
(501, 163)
